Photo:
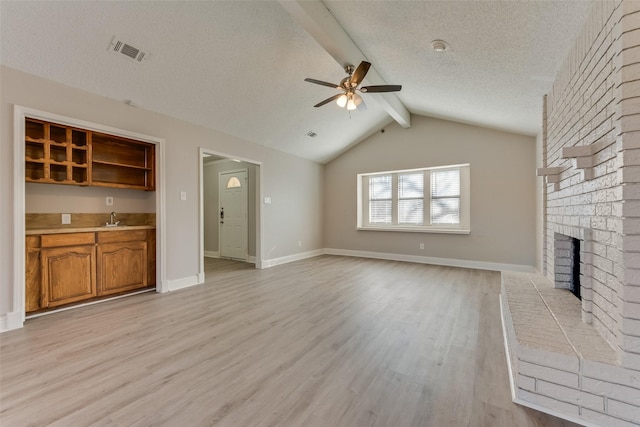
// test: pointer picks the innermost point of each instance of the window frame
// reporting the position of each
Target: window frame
(464, 227)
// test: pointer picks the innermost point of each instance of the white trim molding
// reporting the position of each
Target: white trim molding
(212, 254)
(185, 282)
(291, 258)
(450, 262)
(10, 321)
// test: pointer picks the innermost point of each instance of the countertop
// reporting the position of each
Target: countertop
(31, 232)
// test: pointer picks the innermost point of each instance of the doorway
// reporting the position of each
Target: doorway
(216, 169)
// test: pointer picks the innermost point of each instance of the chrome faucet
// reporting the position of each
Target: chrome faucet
(112, 217)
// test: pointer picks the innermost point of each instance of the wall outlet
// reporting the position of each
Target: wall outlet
(421, 245)
(109, 201)
(183, 195)
(66, 218)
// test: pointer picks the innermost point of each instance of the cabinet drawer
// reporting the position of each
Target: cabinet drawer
(122, 236)
(32, 242)
(68, 239)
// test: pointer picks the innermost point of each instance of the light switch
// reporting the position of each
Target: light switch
(267, 200)
(66, 218)
(183, 195)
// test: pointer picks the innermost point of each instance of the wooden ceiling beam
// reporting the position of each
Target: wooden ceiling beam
(318, 21)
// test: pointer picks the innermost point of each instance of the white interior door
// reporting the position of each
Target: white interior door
(233, 214)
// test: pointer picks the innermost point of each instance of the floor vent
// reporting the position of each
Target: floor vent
(127, 51)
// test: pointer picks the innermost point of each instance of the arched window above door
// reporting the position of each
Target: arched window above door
(234, 182)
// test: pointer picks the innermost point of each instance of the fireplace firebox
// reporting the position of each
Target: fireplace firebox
(567, 263)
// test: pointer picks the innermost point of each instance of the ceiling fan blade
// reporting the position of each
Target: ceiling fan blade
(381, 88)
(359, 73)
(320, 82)
(328, 100)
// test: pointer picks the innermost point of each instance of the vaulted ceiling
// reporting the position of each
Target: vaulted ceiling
(239, 66)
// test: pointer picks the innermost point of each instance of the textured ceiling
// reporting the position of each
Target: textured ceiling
(239, 66)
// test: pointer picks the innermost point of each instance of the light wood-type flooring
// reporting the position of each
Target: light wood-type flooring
(324, 342)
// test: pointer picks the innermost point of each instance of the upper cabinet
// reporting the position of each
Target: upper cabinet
(123, 163)
(58, 154)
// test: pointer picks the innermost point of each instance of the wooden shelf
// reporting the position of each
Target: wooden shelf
(60, 154)
(120, 165)
(37, 141)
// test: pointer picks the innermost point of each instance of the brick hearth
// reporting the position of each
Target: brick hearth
(563, 365)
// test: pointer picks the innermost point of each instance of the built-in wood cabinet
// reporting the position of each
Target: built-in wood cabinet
(56, 154)
(68, 263)
(122, 261)
(122, 163)
(64, 268)
(33, 283)
(59, 154)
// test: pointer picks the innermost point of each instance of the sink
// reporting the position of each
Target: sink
(117, 224)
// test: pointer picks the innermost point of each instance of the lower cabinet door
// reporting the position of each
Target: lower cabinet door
(121, 267)
(33, 278)
(68, 274)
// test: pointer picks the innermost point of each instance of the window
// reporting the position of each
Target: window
(423, 200)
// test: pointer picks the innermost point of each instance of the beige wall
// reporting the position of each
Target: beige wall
(53, 198)
(503, 208)
(293, 183)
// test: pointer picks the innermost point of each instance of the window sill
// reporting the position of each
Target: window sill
(417, 230)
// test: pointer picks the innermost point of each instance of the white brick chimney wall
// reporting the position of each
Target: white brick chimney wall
(581, 359)
(593, 135)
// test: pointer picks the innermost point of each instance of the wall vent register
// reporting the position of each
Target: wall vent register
(127, 51)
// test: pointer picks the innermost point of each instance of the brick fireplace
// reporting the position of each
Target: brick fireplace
(580, 359)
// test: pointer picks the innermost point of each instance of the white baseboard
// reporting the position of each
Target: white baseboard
(215, 254)
(291, 258)
(450, 262)
(10, 321)
(185, 282)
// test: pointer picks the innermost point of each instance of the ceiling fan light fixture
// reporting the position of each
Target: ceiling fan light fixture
(351, 105)
(347, 97)
(342, 101)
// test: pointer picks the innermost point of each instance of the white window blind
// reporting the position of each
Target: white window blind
(445, 197)
(429, 199)
(380, 199)
(411, 198)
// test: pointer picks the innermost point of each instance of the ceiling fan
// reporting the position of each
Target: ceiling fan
(349, 86)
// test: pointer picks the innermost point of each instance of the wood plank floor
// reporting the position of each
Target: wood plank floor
(328, 341)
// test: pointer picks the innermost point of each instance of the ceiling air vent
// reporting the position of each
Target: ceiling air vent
(127, 51)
